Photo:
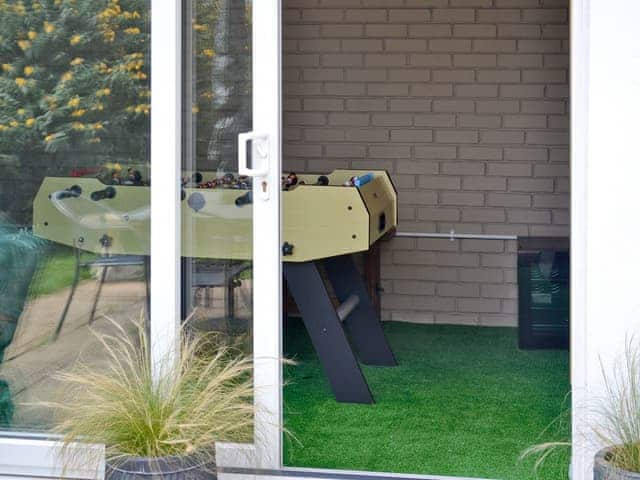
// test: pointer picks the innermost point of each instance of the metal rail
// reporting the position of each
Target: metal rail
(452, 235)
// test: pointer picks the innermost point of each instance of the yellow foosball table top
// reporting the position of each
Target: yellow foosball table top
(318, 221)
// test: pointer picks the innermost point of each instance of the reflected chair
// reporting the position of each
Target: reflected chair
(105, 262)
(225, 274)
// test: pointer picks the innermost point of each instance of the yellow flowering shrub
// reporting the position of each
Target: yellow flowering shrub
(75, 74)
(71, 69)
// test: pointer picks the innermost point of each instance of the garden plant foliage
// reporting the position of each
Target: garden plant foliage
(74, 72)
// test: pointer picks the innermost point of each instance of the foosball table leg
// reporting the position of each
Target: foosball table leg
(185, 288)
(147, 287)
(372, 275)
(229, 297)
(363, 323)
(72, 291)
(96, 298)
(327, 333)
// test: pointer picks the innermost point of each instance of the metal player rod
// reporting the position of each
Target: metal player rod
(348, 306)
(455, 236)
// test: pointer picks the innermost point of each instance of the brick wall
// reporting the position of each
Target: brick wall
(465, 103)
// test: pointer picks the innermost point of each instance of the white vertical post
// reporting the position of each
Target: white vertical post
(605, 229)
(579, 96)
(166, 72)
(267, 269)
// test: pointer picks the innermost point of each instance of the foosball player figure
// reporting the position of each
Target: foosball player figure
(243, 182)
(290, 181)
(115, 178)
(209, 184)
(192, 181)
(359, 180)
(323, 180)
(228, 179)
(134, 177)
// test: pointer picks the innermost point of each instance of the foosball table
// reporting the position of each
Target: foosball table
(326, 219)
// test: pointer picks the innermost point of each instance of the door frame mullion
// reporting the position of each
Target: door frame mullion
(267, 266)
(166, 163)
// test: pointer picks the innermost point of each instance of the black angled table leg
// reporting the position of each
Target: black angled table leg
(185, 290)
(327, 334)
(72, 292)
(363, 325)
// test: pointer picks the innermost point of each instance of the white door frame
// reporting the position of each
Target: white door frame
(579, 27)
(267, 265)
(605, 98)
(582, 454)
(37, 456)
(594, 27)
(266, 452)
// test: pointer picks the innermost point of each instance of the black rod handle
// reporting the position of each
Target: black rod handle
(72, 192)
(245, 199)
(98, 195)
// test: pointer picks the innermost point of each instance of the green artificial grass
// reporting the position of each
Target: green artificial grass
(464, 401)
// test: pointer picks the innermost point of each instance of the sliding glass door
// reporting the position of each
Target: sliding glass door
(230, 197)
(74, 202)
(93, 236)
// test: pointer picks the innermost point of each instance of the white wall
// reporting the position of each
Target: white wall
(605, 221)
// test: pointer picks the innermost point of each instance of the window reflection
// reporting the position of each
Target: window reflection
(217, 210)
(74, 123)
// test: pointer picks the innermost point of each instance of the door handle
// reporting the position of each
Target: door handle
(261, 144)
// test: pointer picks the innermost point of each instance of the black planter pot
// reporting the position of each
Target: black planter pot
(163, 468)
(603, 470)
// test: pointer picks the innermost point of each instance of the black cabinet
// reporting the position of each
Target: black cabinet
(543, 292)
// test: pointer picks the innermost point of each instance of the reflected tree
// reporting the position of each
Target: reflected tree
(74, 75)
(221, 59)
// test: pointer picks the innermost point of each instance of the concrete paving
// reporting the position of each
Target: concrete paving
(35, 355)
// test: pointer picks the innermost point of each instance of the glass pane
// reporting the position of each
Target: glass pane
(410, 348)
(216, 206)
(74, 196)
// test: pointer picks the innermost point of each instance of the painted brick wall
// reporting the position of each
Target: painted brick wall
(465, 103)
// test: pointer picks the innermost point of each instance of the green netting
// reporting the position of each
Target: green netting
(6, 405)
(20, 253)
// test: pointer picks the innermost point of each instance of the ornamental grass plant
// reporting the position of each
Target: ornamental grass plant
(615, 415)
(204, 397)
(544, 452)
(618, 411)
